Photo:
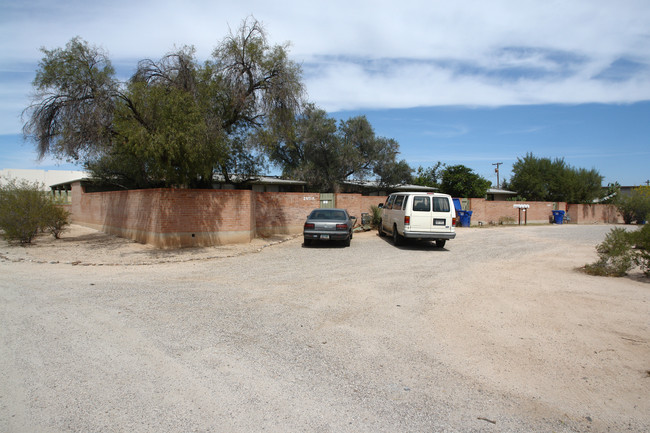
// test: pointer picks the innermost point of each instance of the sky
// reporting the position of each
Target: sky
(469, 82)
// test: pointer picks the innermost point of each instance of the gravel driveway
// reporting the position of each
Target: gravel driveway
(495, 332)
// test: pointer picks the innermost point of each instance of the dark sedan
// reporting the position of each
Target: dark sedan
(328, 225)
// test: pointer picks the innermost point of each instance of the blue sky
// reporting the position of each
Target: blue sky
(469, 82)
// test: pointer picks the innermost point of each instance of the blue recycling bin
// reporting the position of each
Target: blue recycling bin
(558, 216)
(464, 217)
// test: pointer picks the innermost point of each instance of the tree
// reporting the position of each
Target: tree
(461, 181)
(174, 122)
(543, 179)
(316, 150)
(429, 176)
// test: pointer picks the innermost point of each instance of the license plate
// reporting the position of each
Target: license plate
(439, 222)
(324, 236)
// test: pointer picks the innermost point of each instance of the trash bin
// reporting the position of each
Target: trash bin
(558, 216)
(464, 217)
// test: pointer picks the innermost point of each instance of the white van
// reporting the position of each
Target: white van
(418, 215)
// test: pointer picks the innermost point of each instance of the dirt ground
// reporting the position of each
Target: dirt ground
(498, 331)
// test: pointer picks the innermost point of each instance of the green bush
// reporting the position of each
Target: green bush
(56, 220)
(641, 241)
(24, 209)
(376, 216)
(615, 255)
(636, 206)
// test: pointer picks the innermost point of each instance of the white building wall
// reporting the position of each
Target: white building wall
(43, 177)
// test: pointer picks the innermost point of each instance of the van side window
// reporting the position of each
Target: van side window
(398, 202)
(389, 202)
(421, 204)
(440, 204)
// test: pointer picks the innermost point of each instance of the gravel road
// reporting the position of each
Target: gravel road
(497, 332)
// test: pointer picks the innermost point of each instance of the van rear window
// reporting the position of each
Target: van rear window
(440, 204)
(421, 204)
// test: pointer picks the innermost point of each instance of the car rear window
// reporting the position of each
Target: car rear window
(421, 204)
(440, 204)
(324, 214)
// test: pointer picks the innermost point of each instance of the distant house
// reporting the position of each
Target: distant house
(497, 194)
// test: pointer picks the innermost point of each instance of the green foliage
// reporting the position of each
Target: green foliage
(55, 219)
(175, 122)
(543, 179)
(75, 95)
(316, 150)
(24, 209)
(429, 176)
(636, 206)
(376, 216)
(461, 181)
(615, 255)
(641, 241)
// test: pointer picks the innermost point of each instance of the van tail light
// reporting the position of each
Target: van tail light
(309, 226)
(453, 222)
(341, 227)
(407, 220)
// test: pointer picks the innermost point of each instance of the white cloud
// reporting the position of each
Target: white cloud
(376, 53)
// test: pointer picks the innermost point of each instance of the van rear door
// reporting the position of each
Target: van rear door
(421, 216)
(441, 214)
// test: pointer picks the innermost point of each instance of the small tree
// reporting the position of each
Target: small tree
(430, 176)
(461, 181)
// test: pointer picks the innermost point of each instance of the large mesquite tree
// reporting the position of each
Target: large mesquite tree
(175, 122)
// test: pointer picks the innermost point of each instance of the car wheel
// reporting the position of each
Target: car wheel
(351, 232)
(380, 230)
(346, 242)
(440, 243)
(397, 239)
(307, 242)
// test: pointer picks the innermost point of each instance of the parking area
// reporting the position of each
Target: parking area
(496, 331)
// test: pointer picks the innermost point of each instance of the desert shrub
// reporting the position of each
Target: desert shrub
(636, 206)
(615, 255)
(376, 216)
(55, 220)
(24, 209)
(641, 241)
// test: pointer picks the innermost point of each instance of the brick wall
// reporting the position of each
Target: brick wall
(594, 213)
(356, 204)
(168, 218)
(172, 218)
(277, 212)
(493, 211)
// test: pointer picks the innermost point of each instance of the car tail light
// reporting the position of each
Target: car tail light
(407, 220)
(341, 227)
(309, 226)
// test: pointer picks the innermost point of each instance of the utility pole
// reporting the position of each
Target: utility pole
(497, 172)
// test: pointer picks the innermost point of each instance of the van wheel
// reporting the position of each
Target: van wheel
(440, 243)
(380, 229)
(397, 239)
